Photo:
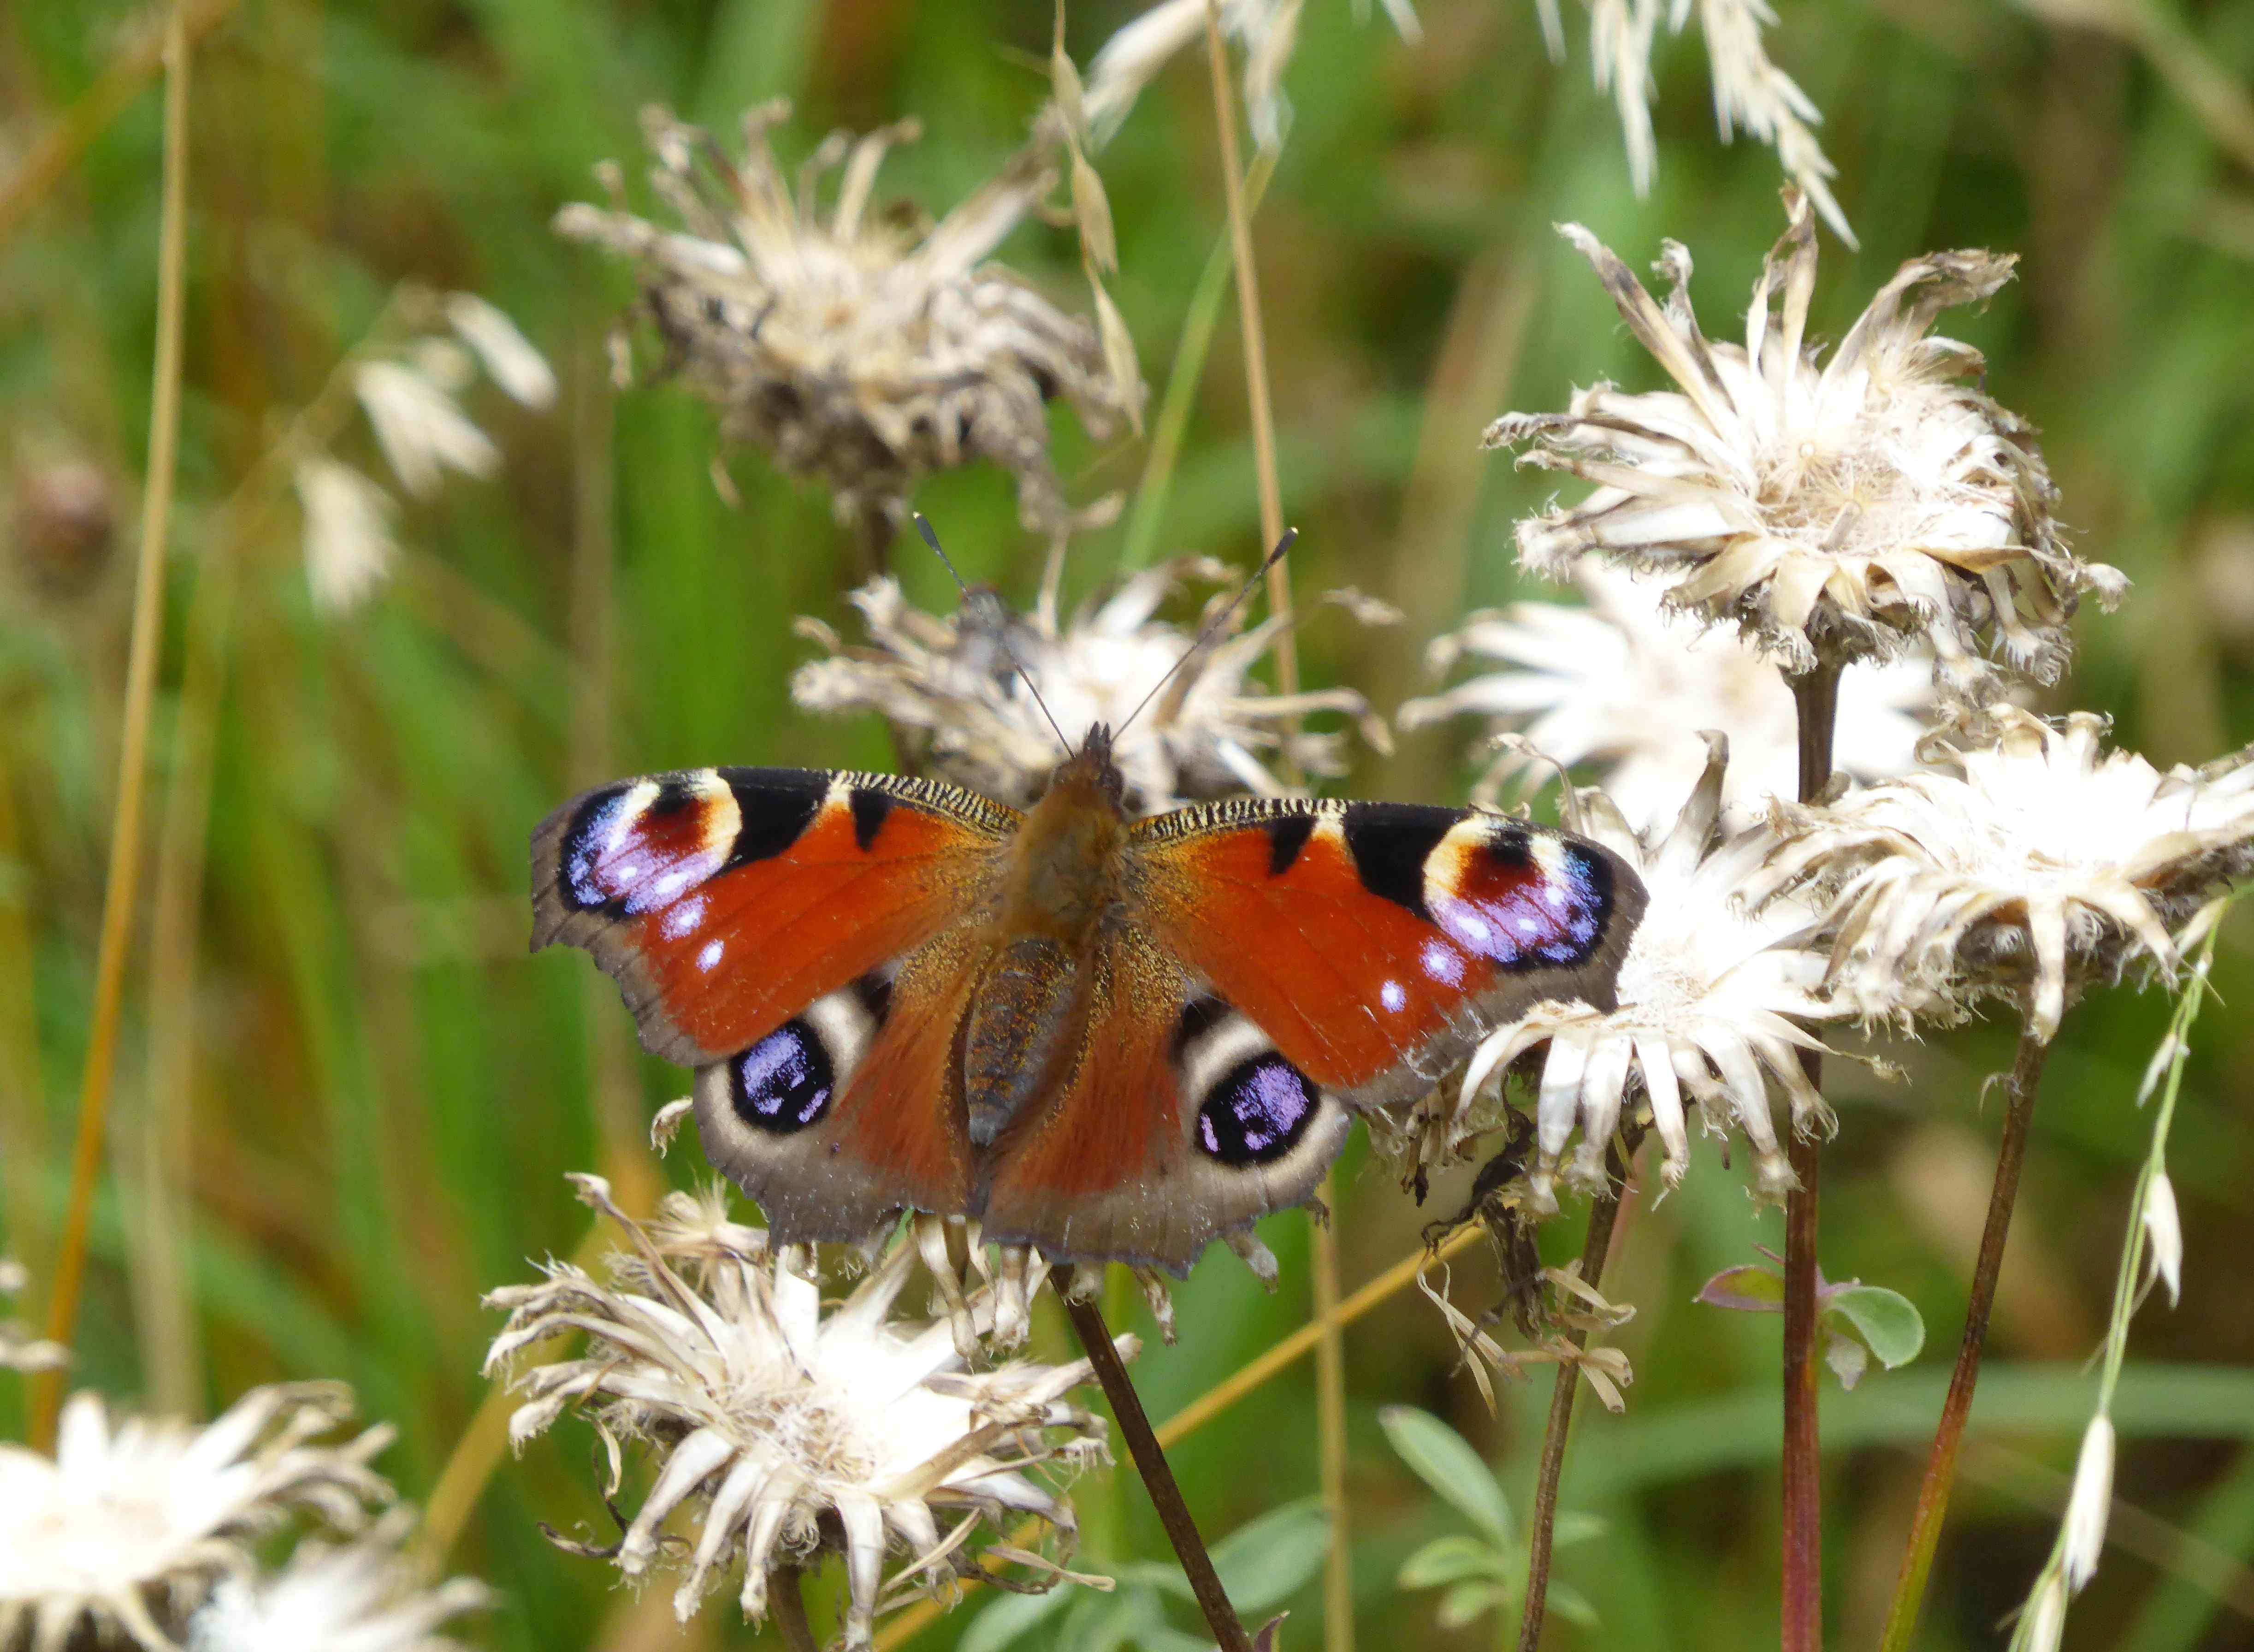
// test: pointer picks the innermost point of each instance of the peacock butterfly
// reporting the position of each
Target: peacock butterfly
(1113, 1038)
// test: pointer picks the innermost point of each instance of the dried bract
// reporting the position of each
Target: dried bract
(1710, 994)
(851, 348)
(122, 1531)
(792, 1427)
(19, 1350)
(1630, 685)
(952, 680)
(2041, 862)
(1837, 511)
(364, 1596)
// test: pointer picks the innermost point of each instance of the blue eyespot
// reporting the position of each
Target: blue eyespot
(783, 1082)
(1258, 1113)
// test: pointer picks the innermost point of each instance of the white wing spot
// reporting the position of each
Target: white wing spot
(1442, 962)
(682, 917)
(1393, 997)
(708, 958)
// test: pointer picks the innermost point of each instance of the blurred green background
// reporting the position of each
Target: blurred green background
(387, 1091)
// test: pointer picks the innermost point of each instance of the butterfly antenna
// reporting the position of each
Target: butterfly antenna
(1214, 626)
(1001, 631)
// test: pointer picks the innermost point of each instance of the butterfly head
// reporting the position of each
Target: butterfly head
(1091, 774)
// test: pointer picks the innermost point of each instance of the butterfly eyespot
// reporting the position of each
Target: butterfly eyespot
(1258, 1113)
(784, 1082)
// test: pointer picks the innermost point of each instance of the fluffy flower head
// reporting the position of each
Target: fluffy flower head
(362, 1596)
(1631, 685)
(853, 349)
(955, 680)
(1834, 509)
(1707, 994)
(144, 1513)
(793, 1426)
(2043, 859)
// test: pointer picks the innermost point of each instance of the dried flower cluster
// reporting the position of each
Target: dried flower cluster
(2042, 862)
(362, 1596)
(853, 349)
(955, 681)
(1710, 997)
(123, 1531)
(1630, 684)
(793, 1428)
(1835, 510)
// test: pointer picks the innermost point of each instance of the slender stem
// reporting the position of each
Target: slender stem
(1815, 697)
(787, 1605)
(1941, 1461)
(1330, 1362)
(1247, 1379)
(123, 880)
(1604, 1215)
(1151, 1462)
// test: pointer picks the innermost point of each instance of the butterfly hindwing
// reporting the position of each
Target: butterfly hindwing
(853, 1108)
(725, 900)
(1377, 943)
(1181, 1122)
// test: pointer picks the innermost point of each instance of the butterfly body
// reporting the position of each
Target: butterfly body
(1113, 1038)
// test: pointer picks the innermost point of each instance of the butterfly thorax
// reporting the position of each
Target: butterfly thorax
(1030, 1010)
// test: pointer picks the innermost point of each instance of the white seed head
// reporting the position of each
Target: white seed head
(955, 681)
(778, 1418)
(2164, 1233)
(2089, 1503)
(2041, 862)
(364, 1596)
(125, 1528)
(1711, 996)
(1630, 683)
(348, 544)
(1837, 509)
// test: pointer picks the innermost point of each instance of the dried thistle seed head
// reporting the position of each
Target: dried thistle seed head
(1836, 510)
(363, 1596)
(1630, 684)
(954, 680)
(791, 1426)
(120, 1535)
(2042, 862)
(850, 348)
(1710, 996)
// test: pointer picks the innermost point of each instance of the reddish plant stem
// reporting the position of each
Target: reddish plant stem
(1816, 696)
(1151, 1463)
(1941, 1460)
(787, 1605)
(1604, 1215)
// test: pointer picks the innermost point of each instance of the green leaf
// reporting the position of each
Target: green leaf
(1450, 1559)
(1573, 1605)
(1571, 1529)
(1442, 1461)
(1265, 1562)
(1009, 1616)
(1469, 1600)
(1751, 1289)
(1884, 1321)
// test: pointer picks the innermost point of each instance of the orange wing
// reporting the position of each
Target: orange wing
(723, 901)
(1376, 942)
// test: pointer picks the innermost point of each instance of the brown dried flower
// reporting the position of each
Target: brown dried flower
(853, 349)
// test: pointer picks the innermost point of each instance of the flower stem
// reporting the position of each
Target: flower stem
(786, 1606)
(119, 897)
(1815, 697)
(1151, 1463)
(1941, 1461)
(1603, 1215)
